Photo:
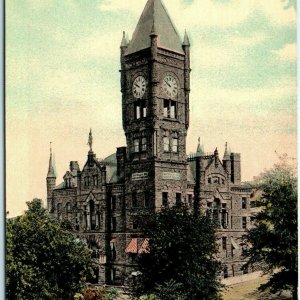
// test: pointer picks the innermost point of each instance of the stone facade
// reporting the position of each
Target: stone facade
(102, 201)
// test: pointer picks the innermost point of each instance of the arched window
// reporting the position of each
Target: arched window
(59, 211)
(69, 211)
(92, 215)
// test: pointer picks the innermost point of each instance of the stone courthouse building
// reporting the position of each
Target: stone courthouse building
(104, 198)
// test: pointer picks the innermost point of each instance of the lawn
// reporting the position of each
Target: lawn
(248, 291)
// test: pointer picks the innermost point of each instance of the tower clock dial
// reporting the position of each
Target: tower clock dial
(170, 86)
(139, 87)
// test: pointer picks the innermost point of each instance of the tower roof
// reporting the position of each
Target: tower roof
(155, 16)
(226, 153)
(200, 150)
(51, 169)
(186, 40)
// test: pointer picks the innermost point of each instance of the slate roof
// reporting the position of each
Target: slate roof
(51, 169)
(111, 168)
(155, 16)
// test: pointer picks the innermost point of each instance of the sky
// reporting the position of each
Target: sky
(62, 78)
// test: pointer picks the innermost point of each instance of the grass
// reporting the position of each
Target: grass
(248, 291)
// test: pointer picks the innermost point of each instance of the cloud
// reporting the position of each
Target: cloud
(288, 52)
(98, 45)
(116, 6)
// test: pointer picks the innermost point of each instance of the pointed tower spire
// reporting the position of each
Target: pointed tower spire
(226, 153)
(200, 150)
(186, 40)
(155, 14)
(51, 169)
(124, 40)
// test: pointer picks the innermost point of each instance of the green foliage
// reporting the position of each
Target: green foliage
(100, 293)
(181, 263)
(273, 241)
(43, 260)
(170, 290)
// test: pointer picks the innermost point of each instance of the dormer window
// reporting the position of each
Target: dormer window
(68, 183)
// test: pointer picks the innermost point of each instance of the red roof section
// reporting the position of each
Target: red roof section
(144, 247)
(132, 246)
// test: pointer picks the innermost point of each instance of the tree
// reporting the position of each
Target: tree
(272, 243)
(43, 260)
(181, 256)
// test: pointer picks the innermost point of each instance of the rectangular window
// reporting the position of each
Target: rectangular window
(135, 224)
(173, 110)
(113, 223)
(178, 199)
(147, 199)
(134, 200)
(244, 203)
(144, 108)
(137, 111)
(224, 218)
(165, 198)
(170, 109)
(224, 243)
(175, 145)
(244, 222)
(166, 144)
(136, 145)
(113, 203)
(252, 204)
(144, 144)
(190, 200)
(166, 108)
(232, 251)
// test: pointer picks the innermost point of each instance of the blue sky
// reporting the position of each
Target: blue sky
(63, 77)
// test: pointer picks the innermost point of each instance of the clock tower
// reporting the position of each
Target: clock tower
(155, 86)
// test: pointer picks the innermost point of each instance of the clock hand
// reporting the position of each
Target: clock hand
(167, 83)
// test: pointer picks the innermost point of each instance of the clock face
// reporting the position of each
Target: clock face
(170, 87)
(139, 87)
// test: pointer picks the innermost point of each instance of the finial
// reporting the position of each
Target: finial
(216, 152)
(50, 148)
(90, 141)
(186, 41)
(216, 157)
(200, 151)
(153, 29)
(124, 41)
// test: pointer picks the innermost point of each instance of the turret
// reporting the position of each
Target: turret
(226, 161)
(51, 180)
